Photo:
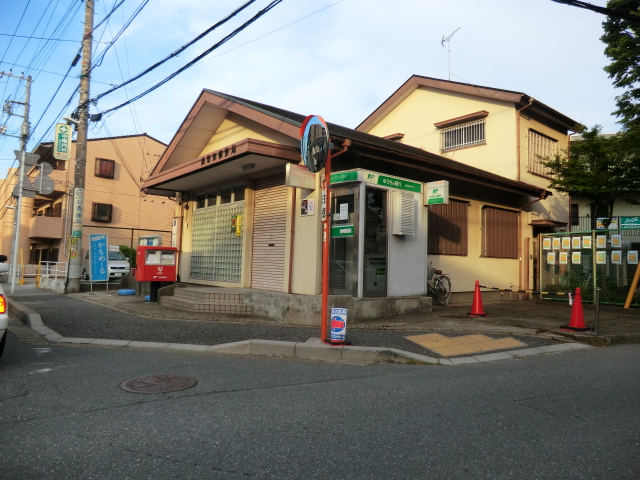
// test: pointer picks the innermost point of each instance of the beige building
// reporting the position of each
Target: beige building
(498, 131)
(113, 198)
(228, 164)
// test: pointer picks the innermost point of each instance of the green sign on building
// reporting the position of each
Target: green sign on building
(342, 231)
(349, 176)
(393, 182)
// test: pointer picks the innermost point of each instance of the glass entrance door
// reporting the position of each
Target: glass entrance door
(344, 242)
(375, 243)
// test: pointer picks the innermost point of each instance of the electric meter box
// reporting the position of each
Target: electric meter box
(156, 264)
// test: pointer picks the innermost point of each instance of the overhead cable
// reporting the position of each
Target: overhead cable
(177, 52)
(194, 61)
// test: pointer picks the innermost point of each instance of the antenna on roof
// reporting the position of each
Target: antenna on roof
(448, 41)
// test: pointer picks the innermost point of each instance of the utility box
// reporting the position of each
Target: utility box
(156, 264)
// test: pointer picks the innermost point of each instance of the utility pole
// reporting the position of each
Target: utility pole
(24, 136)
(75, 249)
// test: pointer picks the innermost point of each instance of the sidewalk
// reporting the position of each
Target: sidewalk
(531, 325)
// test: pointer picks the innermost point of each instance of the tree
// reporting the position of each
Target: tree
(622, 39)
(597, 168)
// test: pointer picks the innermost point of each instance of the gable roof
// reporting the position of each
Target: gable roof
(519, 99)
(289, 123)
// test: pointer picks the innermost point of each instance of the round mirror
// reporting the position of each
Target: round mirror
(314, 143)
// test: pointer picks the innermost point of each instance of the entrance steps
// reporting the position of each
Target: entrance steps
(208, 300)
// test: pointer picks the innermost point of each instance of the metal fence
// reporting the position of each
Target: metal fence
(44, 269)
(595, 258)
(126, 238)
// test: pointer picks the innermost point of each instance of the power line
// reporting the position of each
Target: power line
(100, 58)
(39, 38)
(181, 49)
(273, 4)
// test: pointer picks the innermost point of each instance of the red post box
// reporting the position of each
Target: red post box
(156, 264)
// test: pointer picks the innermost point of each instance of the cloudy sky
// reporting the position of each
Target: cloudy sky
(335, 58)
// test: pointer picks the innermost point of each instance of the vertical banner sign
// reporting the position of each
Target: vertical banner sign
(98, 254)
(62, 142)
(78, 206)
(73, 248)
(338, 324)
(323, 208)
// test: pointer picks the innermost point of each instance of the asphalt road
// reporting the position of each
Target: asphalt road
(572, 415)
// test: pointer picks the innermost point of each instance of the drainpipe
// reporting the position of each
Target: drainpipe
(518, 134)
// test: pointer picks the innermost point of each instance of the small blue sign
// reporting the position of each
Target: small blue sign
(338, 324)
(98, 255)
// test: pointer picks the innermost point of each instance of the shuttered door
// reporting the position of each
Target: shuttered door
(269, 234)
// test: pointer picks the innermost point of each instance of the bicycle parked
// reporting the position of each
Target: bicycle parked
(438, 285)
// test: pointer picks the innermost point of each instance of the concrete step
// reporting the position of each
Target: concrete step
(210, 294)
(198, 305)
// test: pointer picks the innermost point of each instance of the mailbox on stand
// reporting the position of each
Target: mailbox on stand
(156, 264)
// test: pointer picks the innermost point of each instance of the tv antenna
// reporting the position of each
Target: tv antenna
(448, 42)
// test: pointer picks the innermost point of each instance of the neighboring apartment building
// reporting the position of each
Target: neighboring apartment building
(498, 131)
(113, 198)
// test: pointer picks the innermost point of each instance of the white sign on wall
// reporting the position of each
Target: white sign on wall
(436, 193)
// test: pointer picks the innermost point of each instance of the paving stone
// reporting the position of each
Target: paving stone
(402, 356)
(314, 351)
(445, 361)
(365, 354)
(43, 330)
(273, 347)
(53, 336)
(109, 342)
(235, 348)
(461, 360)
(188, 347)
(156, 345)
(525, 352)
(74, 340)
(560, 347)
(490, 357)
(578, 346)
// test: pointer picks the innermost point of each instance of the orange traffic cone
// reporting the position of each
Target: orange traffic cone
(476, 307)
(576, 324)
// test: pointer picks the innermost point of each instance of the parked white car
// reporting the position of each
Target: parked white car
(118, 265)
(4, 307)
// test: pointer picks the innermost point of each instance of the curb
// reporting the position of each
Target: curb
(313, 350)
(24, 313)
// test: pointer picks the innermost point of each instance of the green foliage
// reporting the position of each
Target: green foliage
(130, 254)
(622, 38)
(598, 168)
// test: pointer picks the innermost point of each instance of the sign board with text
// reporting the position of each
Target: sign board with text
(62, 142)
(437, 193)
(98, 254)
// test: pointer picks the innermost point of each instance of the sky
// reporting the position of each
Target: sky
(336, 58)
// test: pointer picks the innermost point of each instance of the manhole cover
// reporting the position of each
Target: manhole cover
(158, 384)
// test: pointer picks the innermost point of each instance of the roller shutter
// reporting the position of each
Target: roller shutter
(269, 234)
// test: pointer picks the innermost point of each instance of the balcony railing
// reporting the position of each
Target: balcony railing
(45, 227)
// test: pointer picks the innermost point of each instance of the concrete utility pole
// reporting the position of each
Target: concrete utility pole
(75, 248)
(24, 137)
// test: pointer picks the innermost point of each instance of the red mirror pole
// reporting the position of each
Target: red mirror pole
(326, 237)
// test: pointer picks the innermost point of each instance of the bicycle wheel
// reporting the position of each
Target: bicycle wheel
(442, 288)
